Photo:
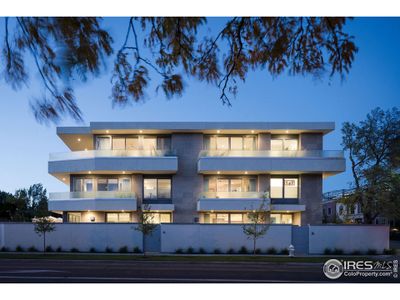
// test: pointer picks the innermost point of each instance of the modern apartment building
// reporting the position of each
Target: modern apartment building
(193, 172)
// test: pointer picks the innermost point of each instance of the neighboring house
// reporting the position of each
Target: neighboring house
(193, 172)
(334, 211)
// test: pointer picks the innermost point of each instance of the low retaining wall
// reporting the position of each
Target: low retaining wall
(221, 236)
(348, 238)
(68, 235)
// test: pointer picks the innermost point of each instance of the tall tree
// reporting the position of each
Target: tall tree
(373, 147)
(73, 49)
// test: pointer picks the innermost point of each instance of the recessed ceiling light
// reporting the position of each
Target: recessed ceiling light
(107, 131)
(218, 172)
(218, 131)
(141, 131)
(85, 149)
(90, 172)
(252, 131)
(287, 131)
(246, 172)
(123, 172)
(78, 139)
(64, 179)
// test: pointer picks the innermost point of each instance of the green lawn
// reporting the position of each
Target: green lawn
(193, 258)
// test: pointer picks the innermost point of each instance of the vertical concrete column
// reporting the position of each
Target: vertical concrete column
(311, 197)
(264, 141)
(137, 188)
(311, 141)
(187, 184)
(263, 182)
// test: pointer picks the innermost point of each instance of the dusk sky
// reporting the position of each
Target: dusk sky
(373, 81)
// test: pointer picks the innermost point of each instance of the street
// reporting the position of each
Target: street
(114, 271)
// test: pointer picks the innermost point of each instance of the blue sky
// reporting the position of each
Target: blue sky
(373, 81)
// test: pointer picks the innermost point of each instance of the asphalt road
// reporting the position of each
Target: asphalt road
(109, 271)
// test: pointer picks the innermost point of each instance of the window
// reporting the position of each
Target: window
(124, 184)
(103, 143)
(149, 143)
(157, 218)
(279, 143)
(225, 185)
(83, 185)
(107, 184)
(132, 143)
(225, 218)
(281, 218)
(118, 217)
(157, 188)
(283, 187)
(118, 143)
(329, 211)
(74, 217)
(231, 142)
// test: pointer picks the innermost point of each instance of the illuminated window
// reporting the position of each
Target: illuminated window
(281, 218)
(149, 143)
(83, 185)
(235, 184)
(118, 217)
(231, 142)
(74, 217)
(132, 143)
(284, 187)
(221, 218)
(279, 143)
(157, 188)
(118, 143)
(103, 143)
(157, 218)
(124, 184)
(224, 218)
(236, 143)
(236, 218)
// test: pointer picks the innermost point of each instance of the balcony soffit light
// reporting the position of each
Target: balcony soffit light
(78, 139)
(218, 131)
(218, 172)
(90, 172)
(140, 131)
(287, 131)
(107, 131)
(252, 131)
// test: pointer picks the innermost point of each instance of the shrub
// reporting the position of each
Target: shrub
(190, 250)
(49, 249)
(4, 249)
(123, 249)
(92, 250)
(202, 251)
(271, 250)
(59, 249)
(243, 250)
(109, 250)
(74, 250)
(284, 251)
(179, 251)
(327, 251)
(32, 249)
(355, 252)
(389, 251)
(231, 251)
(338, 251)
(372, 252)
(136, 250)
(217, 251)
(19, 248)
(258, 251)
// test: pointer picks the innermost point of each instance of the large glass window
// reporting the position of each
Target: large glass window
(83, 185)
(118, 143)
(74, 217)
(149, 143)
(225, 218)
(157, 188)
(231, 142)
(132, 143)
(103, 143)
(124, 184)
(284, 187)
(281, 218)
(279, 143)
(236, 184)
(118, 217)
(157, 218)
(107, 184)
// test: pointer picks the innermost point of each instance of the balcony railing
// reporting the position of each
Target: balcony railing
(271, 153)
(92, 195)
(233, 195)
(110, 153)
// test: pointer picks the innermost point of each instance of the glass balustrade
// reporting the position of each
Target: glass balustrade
(271, 153)
(92, 195)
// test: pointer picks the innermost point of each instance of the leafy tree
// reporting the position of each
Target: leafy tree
(373, 146)
(73, 49)
(257, 226)
(8, 206)
(146, 224)
(44, 225)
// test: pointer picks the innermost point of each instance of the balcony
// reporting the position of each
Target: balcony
(254, 162)
(94, 201)
(231, 201)
(140, 161)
